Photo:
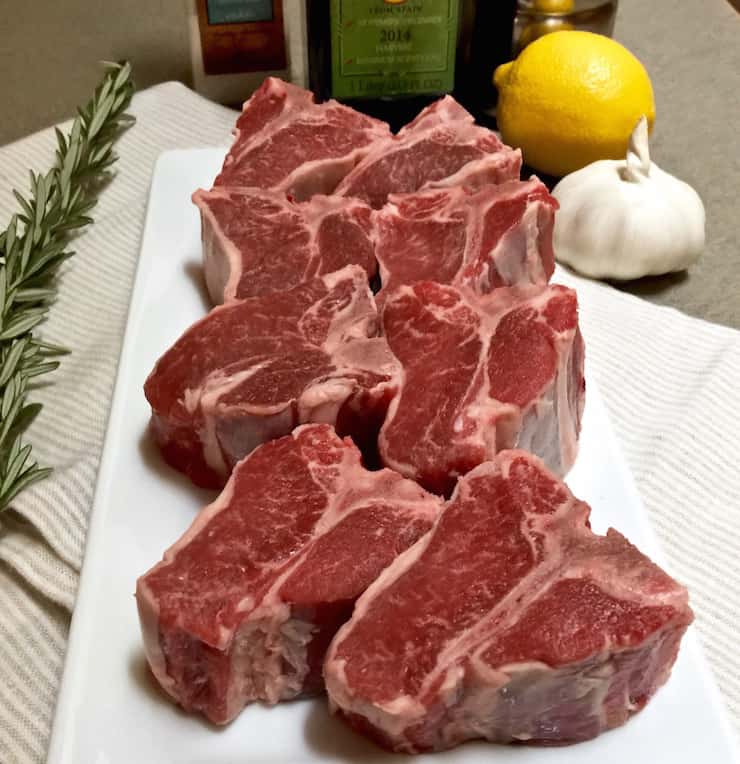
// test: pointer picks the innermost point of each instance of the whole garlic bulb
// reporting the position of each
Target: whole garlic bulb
(623, 219)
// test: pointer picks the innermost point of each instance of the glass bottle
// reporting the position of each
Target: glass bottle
(390, 58)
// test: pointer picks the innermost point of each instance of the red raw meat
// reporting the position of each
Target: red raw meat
(442, 147)
(254, 369)
(497, 236)
(243, 606)
(256, 242)
(510, 621)
(286, 142)
(481, 373)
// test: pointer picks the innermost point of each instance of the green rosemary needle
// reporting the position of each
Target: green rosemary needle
(32, 248)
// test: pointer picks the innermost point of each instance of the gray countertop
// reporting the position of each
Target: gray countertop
(691, 48)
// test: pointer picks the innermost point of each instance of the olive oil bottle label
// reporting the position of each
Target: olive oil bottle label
(385, 48)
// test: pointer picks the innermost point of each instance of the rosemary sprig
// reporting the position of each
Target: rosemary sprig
(32, 248)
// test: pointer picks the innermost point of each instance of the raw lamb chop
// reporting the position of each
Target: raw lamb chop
(481, 373)
(286, 142)
(243, 606)
(254, 369)
(510, 621)
(256, 242)
(442, 147)
(497, 236)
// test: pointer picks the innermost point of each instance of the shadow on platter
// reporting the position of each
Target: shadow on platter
(194, 272)
(332, 740)
(142, 677)
(152, 458)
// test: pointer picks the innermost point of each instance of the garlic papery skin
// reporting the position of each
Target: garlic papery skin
(624, 219)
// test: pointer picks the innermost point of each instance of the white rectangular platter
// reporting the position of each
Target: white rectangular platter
(110, 712)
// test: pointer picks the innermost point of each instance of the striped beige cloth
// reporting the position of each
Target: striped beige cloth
(670, 383)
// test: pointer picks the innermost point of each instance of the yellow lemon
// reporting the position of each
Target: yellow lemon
(571, 98)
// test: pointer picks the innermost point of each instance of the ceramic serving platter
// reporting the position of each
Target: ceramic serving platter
(110, 711)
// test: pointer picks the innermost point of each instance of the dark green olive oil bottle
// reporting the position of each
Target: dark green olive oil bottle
(390, 58)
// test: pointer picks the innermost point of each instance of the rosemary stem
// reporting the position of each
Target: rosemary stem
(32, 248)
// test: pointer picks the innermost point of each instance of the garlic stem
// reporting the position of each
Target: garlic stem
(638, 153)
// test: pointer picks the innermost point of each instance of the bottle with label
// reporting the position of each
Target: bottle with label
(390, 58)
(236, 43)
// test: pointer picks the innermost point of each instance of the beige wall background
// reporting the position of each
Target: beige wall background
(49, 50)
